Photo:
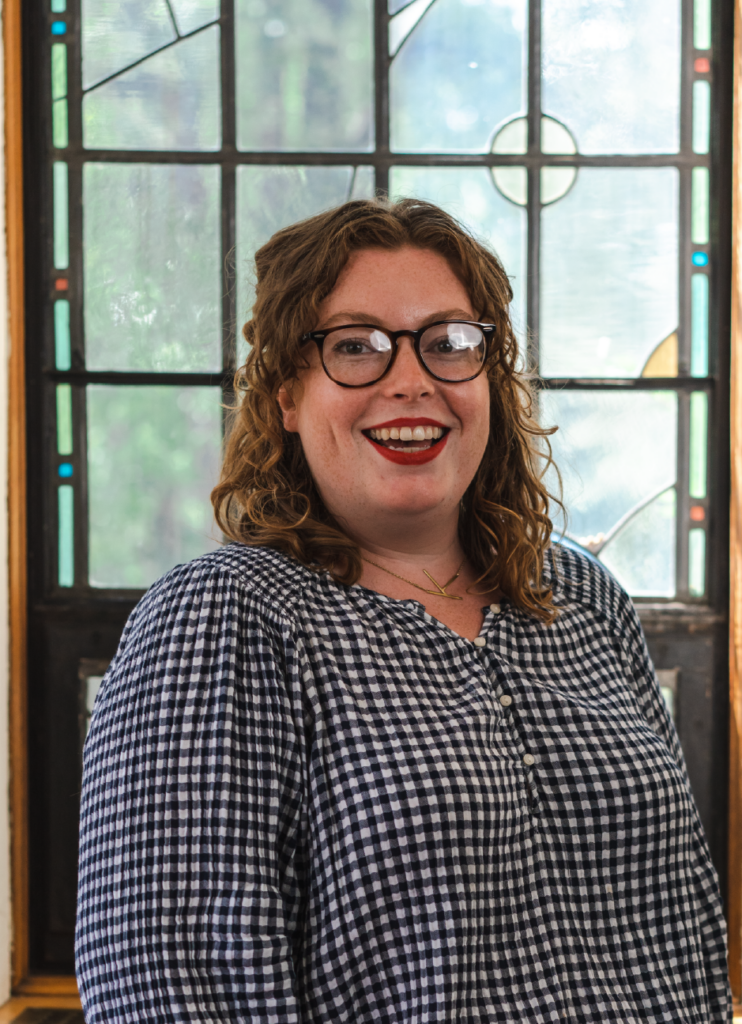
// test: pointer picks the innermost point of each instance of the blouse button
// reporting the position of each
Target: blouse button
(506, 700)
(494, 608)
(529, 759)
(480, 642)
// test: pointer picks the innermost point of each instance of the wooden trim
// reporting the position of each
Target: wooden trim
(734, 914)
(11, 12)
(46, 985)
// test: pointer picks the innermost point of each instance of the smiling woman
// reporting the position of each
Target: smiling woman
(389, 756)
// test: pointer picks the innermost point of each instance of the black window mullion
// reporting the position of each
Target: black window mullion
(533, 206)
(382, 65)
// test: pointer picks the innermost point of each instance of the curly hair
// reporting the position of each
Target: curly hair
(266, 495)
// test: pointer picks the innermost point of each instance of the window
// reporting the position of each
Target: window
(167, 139)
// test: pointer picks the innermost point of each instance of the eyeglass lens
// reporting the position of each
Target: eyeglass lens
(360, 355)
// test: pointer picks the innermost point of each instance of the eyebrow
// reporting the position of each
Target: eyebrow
(361, 317)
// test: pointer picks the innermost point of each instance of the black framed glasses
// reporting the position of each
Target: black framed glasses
(357, 355)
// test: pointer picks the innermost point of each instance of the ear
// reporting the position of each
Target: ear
(288, 409)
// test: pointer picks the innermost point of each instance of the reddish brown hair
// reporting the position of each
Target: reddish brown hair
(266, 495)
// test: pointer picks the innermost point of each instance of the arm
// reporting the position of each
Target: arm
(189, 881)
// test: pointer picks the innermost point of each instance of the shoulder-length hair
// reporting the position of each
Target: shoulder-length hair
(266, 495)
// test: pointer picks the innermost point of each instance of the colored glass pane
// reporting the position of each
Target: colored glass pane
(697, 562)
(641, 554)
(192, 14)
(609, 257)
(65, 469)
(698, 443)
(702, 24)
(304, 75)
(62, 351)
(699, 223)
(152, 262)
(59, 70)
(59, 28)
(153, 457)
(60, 129)
(617, 456)
(458, 76)
(701, 116)
(58, 6)
(699, 289)
(64, 419)
(61, 215)
(172, 100)
(700, 259)
(66, 535)
(115, 34)
(469, 195)
(600, 63)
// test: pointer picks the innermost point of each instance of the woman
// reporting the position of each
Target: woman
(388, 756)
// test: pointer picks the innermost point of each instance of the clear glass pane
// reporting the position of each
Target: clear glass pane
(116, 33)
(152, 259)
(609, 272)
(270, 198)
(66, 535)
(617, 453)
(60, 180)
(304, 75)
(62, 352)
(642, 553)
(699, 224)
(701, 116)
(192, 14)
(470, 196)
(699, 412)
(697, 562)
(699, 345)
(153, 457)
(702, 24)
(64, 419)
(170, 101)
(364, 183)
(600, 63)
(459, 75)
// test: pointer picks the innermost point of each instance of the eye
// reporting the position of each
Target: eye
(352, 347)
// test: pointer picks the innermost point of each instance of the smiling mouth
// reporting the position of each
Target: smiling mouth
(407, 439)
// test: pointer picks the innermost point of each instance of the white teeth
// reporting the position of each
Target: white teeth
(437, 432)
(405, 434)
(394, 433)
(418, 434)
(428, 433)
(385, 434)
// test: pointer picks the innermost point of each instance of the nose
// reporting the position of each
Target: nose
(407, 378)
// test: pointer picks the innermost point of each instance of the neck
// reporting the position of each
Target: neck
(433, 547)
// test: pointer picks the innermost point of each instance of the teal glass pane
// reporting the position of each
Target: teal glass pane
(193, 14)
(458, 75)
(58, 6)
(609, 272)
(469, 194)
(701, 116)
(59, 70)
(170, 101)
(702, 24)
(66, 535)
(64, 419)
(697, 562)
(153, 457)
(617, 455)
(641, 553)
(62, 352)
(304, 75)
(601, 61)
(698, 443)
(152, 262)
(270, 198)
(116, 33)
(61, 216)
(699, 339)
(60, 129)
(699, 222)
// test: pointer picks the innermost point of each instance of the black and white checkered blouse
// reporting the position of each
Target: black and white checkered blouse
(310, 803)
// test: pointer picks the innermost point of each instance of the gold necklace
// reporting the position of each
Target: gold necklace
(440, 591)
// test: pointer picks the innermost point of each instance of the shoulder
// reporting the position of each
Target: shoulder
(578, 578)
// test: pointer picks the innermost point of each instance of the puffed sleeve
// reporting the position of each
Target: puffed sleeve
(709, 915)
(190, 873)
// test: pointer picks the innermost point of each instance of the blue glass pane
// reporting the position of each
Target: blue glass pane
(304, 75)
(65, 469)
(270, 198)
(192, 14)
(458, 76)
(601, 62)
(66, 535)
(469, 194)
(153, 457)
(170, 101)
(609, 277)
(58, 28)
(700, 259)
(642, 553)
(115, 33)
(152, 261)
(699, 290)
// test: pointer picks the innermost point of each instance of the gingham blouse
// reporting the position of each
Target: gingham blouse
(304, 802)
